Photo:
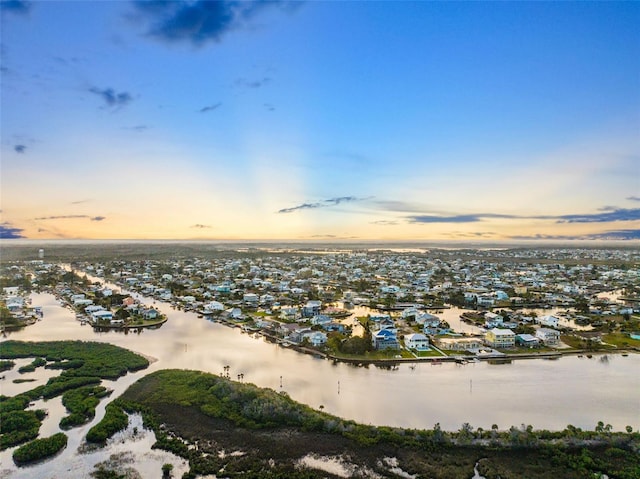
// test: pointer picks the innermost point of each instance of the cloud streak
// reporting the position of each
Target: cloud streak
(252, 84)
(321, 204)
(208, 108)
(8, 231)
(69, 217)
(618, 235)
(607, 214)
(199, 226)
(20, 149)
(112, 98)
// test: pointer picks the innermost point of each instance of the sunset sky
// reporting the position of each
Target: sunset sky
(320, 120)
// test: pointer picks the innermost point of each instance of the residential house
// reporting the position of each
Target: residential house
(550, 321)
(385, 339)
(321, 320)
(549, 337)
(150, 313)
(251, 299)
(458, 343)
(289, 313)
(416, 341)
(101, 315)
(527, 340)
(500, 338)
(316, 338)
(312, 308)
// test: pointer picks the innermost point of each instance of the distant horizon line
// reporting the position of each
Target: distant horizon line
(332, 241)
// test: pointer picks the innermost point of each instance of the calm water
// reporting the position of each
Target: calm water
(546, 394)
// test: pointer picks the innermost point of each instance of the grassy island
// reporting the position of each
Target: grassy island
(244, 431)
(40, 449)
(83, 365)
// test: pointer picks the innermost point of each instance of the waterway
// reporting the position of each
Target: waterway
(546, 394)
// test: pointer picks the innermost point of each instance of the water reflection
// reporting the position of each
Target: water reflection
(542, 393)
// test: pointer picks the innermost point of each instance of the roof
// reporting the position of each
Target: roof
(501, 332)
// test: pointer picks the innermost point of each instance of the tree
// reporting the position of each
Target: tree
(166, 469)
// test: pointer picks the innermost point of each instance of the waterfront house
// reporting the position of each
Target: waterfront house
(458, 344)
(416, 341)
(150, 313)
(500, 338)
(527, 340)
(549, 337)
(316, 338)
(102, 315)
(385, 339)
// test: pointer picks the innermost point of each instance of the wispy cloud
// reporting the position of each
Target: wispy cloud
(633, 198)
(616, 214)
(386, 222)
(137, 128)
(607, 214)
(201, 21)
(624, 235)
(19, 7)
(69, 217)
(20, 148)
(321, 204)
(207, 108)
(199, 226)
(112, 98)
(259, 83)
(8, 231)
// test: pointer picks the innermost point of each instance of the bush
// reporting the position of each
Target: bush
(114, 420)
(40, 449)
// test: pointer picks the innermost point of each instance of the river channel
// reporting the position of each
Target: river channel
(548, 394)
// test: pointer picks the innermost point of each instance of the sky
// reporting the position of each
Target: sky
(320, 120)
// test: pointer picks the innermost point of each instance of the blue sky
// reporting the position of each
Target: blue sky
(321, 120)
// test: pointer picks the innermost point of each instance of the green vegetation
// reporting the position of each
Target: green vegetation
(98, 359)
(114, 420)
(83, 365)
(81, 404)
(31, 367)
(274, 432)
(40, 449)
(6, 365)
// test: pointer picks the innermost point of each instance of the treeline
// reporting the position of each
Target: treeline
(40, 449)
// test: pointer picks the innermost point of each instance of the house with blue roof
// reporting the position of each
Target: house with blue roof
(385, 339)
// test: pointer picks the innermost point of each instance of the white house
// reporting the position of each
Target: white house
(416, 341)
(550, 337)
(316, 338)
(549, 321)
(103, 315)
(250, 299)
